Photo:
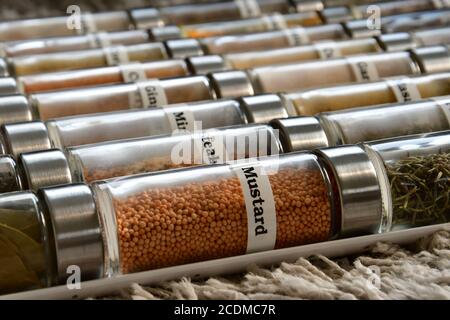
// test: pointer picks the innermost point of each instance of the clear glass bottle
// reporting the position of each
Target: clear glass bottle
(27, 136)
(395, 7)
(274, 21)
(272, 39)
(88, 41)
(140, 95)
(34, 170)
(292, 77)
(228, 10)
(414, 172)
(8, 87)
(398, 89)
(88, 23)
(126, 73)
(364, 124)
(216, 212)
(83, 59)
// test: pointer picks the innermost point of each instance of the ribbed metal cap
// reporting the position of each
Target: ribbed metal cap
(146, 18)
(308, 5)
(8, 86)
(24, 137)
(44, 169)
(14, 109)
(206, 64)
(263, 108)
(76, 229)
(336, 14)
(432, 59)
(359, 29)
(183, 48)
(300, 133)
(4, 72)
(231, 84)
(9, 178)
(164, 33)
(359, 190)
(396, 41)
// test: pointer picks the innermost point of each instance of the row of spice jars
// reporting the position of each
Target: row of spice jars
(182, 216)
(195, 13)
(188, 145)
(34, 83)
(23, 135)
(212, 44)
(269, 79)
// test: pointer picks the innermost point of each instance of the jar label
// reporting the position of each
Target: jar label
(99, 40)
(404, 90)
(87, 23)
(210, 148)
(441, 4)
(327, 49)
(275, 21)
(248, 8)
(116, 55)
(260, 206)
(181, 120)
(363, 70)
(148, 94)
(132, 72)
(297, 36)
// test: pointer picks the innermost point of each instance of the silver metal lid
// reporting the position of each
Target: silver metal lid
(206, 64)
(432, 59)
(3, 68)
(14, 109)
(263, 108)
(164, 33)
(183, 48)
(300, 133)
(76, 230)
(308, 5)
(8, 86)
(24, 137)
(396, 41)
(336, 14)
(359, 190)
(9, 178)
(358, 29)
(44, 168)
(231, 84)
(146, 18)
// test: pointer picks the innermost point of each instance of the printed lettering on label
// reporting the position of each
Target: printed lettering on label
(181, 120)
(327, 50)
(297, 36)
(248, 8)
(88, 24)
(210, 148)
(132, 73)
(404, 90)
(363, 70)
(260, 206)
(116, 55)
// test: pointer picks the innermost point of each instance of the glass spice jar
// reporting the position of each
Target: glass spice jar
(87, 23)
(273, 21)
(217, 212)
(17, 138)
(396, 89)
(141, 94)
(126, 73)
(292, 77)
(109, 56)
(414, 173)
(272, 39)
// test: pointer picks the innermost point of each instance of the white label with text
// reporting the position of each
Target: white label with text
(404, 90)
(260, 206)
(181, 120)
(88, 24)
(327, 49)
(297, 36)
(148, 94)
(248, 8)
(132, 72)
(363, 70)
(116, 55)
(211, 147)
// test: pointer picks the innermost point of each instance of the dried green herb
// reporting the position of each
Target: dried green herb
(21, 252)
(420, 188)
